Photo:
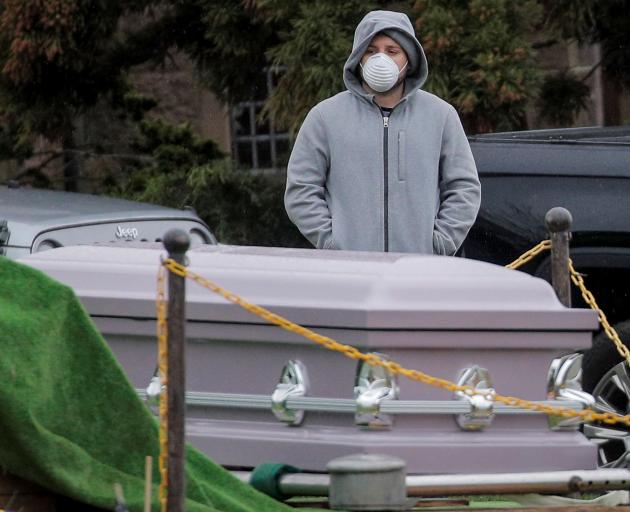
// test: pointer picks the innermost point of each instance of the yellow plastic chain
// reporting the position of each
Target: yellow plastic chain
(163, 373)
(374, 360)
(526, 257)
(588, 297)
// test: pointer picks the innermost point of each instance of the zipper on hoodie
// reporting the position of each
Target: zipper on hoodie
(385, 184)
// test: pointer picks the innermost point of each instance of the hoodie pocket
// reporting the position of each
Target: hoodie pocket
(402, 157)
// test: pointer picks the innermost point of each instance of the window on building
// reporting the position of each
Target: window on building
(257, 144)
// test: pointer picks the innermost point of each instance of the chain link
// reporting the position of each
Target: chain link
(394, 367)
(526, 257)
(588, 297)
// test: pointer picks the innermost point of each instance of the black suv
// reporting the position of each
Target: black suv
(587, 171)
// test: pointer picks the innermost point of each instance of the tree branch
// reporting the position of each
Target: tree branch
(605, 56)
(53, 155)
(39, 167)
(539, 45)
(592, 70)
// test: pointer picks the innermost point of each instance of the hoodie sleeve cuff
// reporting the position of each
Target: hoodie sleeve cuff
(329, 243)
(443, 246)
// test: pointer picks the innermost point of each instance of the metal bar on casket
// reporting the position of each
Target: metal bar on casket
(348, 405)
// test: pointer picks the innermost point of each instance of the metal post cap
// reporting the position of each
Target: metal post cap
(558, 219)
(365, 463)
(367, 481)
(176, 241)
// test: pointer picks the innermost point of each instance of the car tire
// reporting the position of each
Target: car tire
(607, 377)
(602, 356)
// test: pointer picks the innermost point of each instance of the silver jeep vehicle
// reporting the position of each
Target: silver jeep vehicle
(34, 220)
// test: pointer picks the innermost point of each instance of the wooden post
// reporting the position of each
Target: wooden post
(176, 243)
(558, 221)
(148, 482)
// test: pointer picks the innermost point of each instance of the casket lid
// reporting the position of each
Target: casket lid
(318, 288)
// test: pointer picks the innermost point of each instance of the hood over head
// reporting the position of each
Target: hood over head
(397, 26)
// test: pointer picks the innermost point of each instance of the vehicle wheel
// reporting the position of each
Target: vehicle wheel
(612, 394)
(602, 356)
(607, 378)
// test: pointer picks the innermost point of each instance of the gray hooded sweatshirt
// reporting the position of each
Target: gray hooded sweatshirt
(356, 181)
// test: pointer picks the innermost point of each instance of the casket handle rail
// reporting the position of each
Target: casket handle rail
(376, 399)
(348, 405)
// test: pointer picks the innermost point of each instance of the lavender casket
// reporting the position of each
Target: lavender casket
(462, 320)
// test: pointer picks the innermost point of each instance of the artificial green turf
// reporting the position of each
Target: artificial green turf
(69, 418)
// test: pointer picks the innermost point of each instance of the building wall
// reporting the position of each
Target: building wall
(182, 99)
(8, 170)
(608, 104)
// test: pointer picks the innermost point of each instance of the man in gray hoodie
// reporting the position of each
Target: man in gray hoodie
(383, 166)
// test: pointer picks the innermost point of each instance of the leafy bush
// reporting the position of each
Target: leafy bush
(240, 206)
(480, 59)
(562, 98)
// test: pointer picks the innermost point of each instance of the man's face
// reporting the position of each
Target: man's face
(385, 44)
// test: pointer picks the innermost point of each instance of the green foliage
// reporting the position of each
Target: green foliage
(183, 170)
(480, 59)
(479, 56)
(242, 207)
(135, 105)
(58, 58)
(10, 144)
(51, 63)
(171, 151)
(562, 98)
(312, 51)
(315, 41)
(596, 21)
(227, 41)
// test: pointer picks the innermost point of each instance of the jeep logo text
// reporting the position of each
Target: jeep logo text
(126, 233)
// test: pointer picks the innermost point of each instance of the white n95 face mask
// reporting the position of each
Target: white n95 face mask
(381, 72)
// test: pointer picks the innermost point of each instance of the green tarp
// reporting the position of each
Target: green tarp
(70, 419)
